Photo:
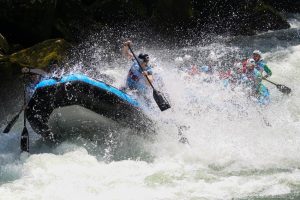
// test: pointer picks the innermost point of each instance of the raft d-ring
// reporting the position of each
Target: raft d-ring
(68, 86)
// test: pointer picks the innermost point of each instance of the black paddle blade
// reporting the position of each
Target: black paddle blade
(25, 140)
(11, 123)
(160, 100)
(284, 89)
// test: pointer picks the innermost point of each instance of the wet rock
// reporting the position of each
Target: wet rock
(37, 56)
(40, 55)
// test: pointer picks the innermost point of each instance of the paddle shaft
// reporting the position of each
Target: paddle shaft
(282, 88)
(24, 99)
(24, 143)
(16, 117)
(12, 122)
(141, 67)
(270, 81)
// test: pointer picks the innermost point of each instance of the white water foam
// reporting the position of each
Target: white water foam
(232, 153)
(294, 21)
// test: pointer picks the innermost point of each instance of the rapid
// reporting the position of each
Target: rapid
(237, 149)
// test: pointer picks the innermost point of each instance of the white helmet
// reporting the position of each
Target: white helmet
(187, 57)
(238, 65)
(250, 62)
(179, 60)
(258, 52)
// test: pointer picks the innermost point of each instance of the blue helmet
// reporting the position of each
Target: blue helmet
(143, 57)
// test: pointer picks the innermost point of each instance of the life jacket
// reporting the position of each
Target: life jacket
(252, 75)
(132, 76)
(225, 75)
(244, 69)
(136, 79)
(260, 65)
(193, 70)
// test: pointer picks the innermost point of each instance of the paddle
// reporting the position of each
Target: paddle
(159, 98)
(24, 144)
(12, 122)
(282, 88)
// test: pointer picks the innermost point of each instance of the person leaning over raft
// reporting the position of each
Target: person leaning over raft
(136, 79)
(253, 78)
(34, 71)
(261, 64)
(36, 74)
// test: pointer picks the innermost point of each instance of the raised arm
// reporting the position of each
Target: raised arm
(125, 50)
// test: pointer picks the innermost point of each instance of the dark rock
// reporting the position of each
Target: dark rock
(266, 18)
(173, 11)
(27, 22)
(4, 47)
(286, 5)
(118, 10)
(238, 17)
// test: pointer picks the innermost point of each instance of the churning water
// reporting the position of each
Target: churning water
(237, 149)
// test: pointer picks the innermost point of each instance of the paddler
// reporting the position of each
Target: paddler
(136, 79)
(253, 79)
(261, 64)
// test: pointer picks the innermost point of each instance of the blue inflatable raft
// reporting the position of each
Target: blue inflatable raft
(79, 105)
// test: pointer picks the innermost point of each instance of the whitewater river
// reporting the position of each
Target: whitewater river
(237, 149)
